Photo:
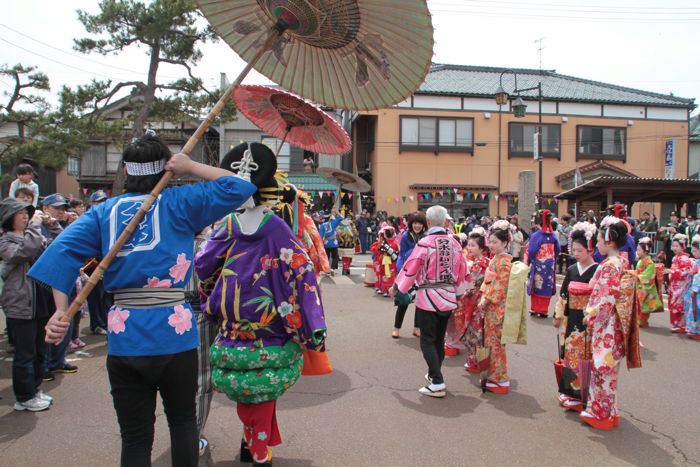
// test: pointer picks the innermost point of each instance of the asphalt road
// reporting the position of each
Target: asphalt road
(368, 412)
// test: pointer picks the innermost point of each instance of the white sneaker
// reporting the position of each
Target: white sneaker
(43, 396)
(33, 405)
(203, 443)
(433, 390)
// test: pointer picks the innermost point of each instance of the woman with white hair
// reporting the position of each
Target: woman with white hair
(439, 269)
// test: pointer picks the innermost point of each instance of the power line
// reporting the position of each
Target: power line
(571, 18)
(55, 61)
(79, 56)
(569, 6)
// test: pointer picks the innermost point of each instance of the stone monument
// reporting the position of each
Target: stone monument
(526, 198)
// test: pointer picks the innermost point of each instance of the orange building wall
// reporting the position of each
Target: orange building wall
(67, 184)
(394, 172)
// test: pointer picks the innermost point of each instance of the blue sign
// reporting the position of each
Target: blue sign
(670, 159)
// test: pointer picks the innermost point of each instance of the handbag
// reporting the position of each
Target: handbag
(402, 299)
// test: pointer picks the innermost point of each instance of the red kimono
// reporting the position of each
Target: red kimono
(385, 251)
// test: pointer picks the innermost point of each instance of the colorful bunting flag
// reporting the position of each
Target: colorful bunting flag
(411, 198)
(403, 198)
(85, 190)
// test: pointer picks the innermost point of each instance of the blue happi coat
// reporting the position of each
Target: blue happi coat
(159, 254)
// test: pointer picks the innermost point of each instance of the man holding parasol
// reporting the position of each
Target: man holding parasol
(152, 331)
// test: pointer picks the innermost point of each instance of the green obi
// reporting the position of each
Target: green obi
(253, 375)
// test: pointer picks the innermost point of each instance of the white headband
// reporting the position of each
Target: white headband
(145, 168)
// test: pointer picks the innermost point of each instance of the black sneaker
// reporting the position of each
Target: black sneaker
(48, 376)
(67, 368)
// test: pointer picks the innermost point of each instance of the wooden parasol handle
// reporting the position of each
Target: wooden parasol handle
(95, 277)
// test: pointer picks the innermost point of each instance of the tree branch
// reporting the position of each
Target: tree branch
(189, 72)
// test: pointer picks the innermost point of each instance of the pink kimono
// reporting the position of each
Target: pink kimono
(438, 267)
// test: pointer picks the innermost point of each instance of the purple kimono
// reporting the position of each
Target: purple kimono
(261, 288)
(542, 250)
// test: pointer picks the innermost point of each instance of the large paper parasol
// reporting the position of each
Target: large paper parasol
(290, 118)
(349, 54)
(345, 180)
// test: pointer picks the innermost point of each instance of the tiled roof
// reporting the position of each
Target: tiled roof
(593, 166)
(694, 129)
(476, 81)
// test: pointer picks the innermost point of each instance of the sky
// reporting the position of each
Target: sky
(644, 44)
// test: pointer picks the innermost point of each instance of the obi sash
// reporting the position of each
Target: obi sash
(149, 297)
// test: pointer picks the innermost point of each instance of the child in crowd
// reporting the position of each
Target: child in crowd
(477, 262)
(25, 174)
(647, 288)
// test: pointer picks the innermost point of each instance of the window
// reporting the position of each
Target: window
(437, 134)
(73, 166)
(283, 153)
(596, 142)
(521, 140)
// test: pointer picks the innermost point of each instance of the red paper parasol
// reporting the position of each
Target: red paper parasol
(292, 119)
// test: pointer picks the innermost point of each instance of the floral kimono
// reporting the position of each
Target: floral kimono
(473, 316)
(679, 280)
(575, 293)
(494, 290)
(614, 333)
(457, 324)
(647, 289)
(262, 292)
(543, 251)
(692, 324)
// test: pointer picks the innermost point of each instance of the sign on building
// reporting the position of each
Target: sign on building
(670, 159)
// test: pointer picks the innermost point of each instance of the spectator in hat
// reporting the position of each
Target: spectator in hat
(25, 175)
(98, 197)
(19, 247)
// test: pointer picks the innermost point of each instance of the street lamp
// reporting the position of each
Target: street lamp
(519, 110)
(501, 96)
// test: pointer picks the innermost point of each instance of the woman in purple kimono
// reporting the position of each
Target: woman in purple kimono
(260, 287)
(542, 253)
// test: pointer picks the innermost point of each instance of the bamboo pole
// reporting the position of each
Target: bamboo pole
(163, 182)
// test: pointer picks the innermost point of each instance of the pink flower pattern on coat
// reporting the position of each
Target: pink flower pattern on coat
(155, 283)
(606, 337)
(179, 271)
(181, 319)
(116, 319)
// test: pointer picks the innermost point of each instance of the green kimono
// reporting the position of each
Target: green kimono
(515, 318)
(647, 290)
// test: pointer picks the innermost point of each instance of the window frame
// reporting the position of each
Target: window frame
(75, 172)
(524, 154)
(580, 155)
(436, 148)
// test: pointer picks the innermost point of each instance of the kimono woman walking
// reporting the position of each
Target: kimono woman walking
(568, 315)
(493, 305)
(542, 252)
(647, 288)
(152, 345)
(679, 277)
(692, 325)
(612, 325)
